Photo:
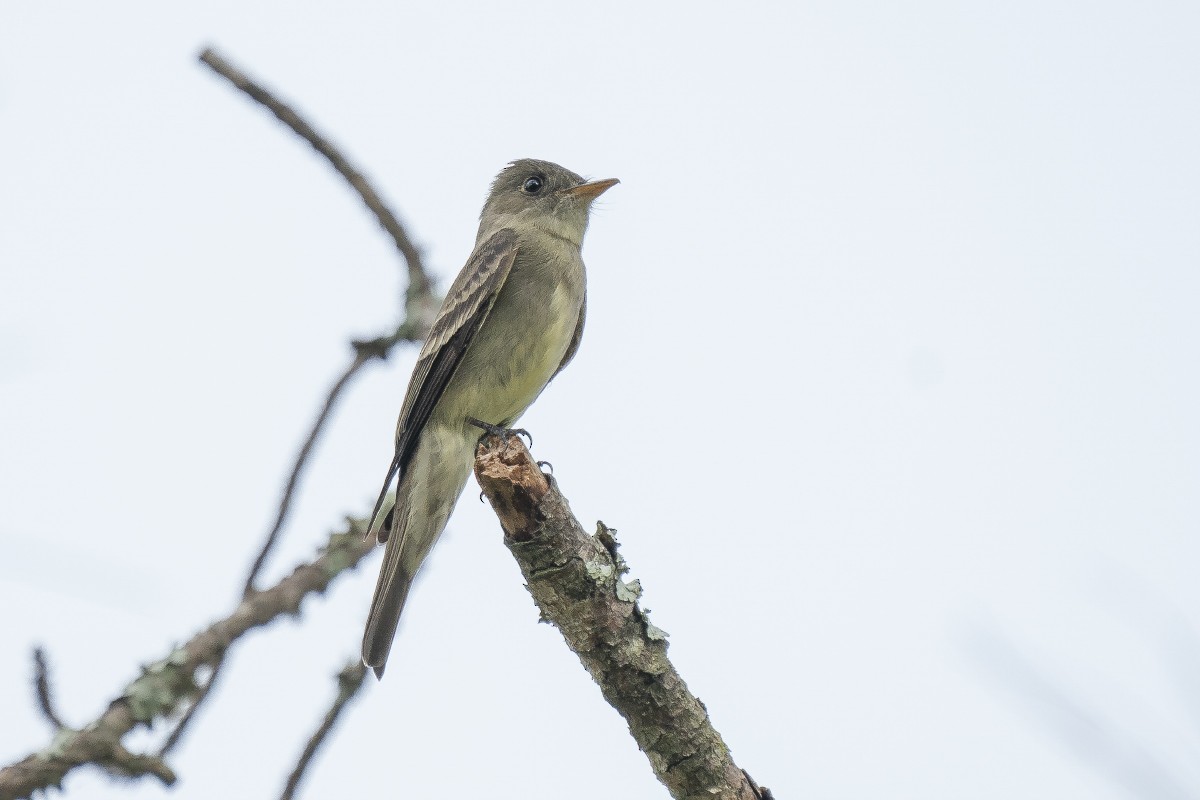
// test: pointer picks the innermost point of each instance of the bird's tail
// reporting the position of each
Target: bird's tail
(390, 593)
(424, 499)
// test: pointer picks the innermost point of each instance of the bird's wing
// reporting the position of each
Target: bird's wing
(467, 304)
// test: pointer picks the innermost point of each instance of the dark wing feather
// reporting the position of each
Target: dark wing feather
(467, 304)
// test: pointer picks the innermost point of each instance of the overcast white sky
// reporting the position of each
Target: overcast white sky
(889, 383)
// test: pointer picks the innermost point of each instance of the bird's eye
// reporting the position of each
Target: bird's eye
(532, 185)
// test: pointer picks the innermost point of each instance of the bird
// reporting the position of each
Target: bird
(512, 320)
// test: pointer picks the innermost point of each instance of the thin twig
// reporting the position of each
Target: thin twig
(364, 352)
(182, 726)
(419, 298)
(123, 764)
(167, 685)
(41, 683)
(418, 277)
(285, 501)
(350, 681)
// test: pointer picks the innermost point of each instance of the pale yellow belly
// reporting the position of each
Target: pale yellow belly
(513, 357)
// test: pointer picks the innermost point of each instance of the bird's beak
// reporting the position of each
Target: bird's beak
(592, 189)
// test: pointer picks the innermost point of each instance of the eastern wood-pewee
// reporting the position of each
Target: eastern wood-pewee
(511, 321)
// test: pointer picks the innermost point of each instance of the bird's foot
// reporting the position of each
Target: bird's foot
(504, 433)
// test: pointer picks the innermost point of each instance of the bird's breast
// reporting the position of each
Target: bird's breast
(523, 341)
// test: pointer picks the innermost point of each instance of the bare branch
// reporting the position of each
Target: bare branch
(124, 764)
(419, 307)
(420, 289)
(181, 727)
(419, 302)
(575, 579)
(364, 352)
(350, 681)
(41, 685)
(361, 357)
(165, 686)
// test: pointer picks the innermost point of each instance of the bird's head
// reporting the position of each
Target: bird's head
(543, 195)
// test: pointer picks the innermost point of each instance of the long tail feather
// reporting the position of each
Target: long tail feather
(387, 483)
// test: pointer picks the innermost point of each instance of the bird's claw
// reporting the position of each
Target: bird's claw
(546, 464)
(496, 430)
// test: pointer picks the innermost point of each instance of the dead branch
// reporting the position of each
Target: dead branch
(419, 306)
(165, 686)
(41, 685)
(350, 682)
(575, 579)
(418, 278)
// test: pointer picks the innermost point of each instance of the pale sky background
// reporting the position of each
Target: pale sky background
(889, 383)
